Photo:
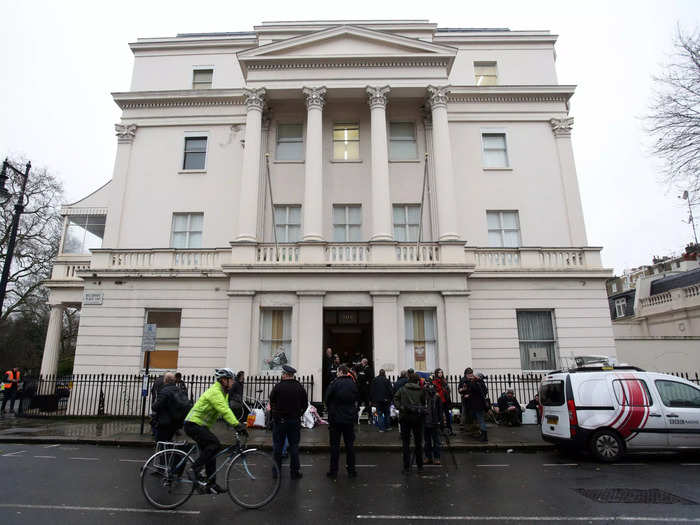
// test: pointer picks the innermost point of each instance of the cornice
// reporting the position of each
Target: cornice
(281, 63)
(179, 98)
(470, 94)
(94, 210)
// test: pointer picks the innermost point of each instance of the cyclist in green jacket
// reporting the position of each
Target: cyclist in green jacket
(211, 405)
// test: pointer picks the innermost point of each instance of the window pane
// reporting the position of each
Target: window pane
(402, 130)
(196, 144)
(180, 240)
(194, 161)
(293, 233)
(338, 214)
(493, 219)
(179, 222)
(494, 140)
(339, 233)
(413, 214)
(196, 220)
(195, 240)
(73, 241)
(354, 215)
(510, 219)
(203, 75)
(289, 132)
(495, 240)
(281, 233)
(484, 68)
(674, 394)
(535, 326)
(92, 241)
(511, 239)
(412, 233)
(281, 214)
(295, 215)
(399, 214)
(495, 159)
(354, 233)
(402, 150)
(400, 233)
(339, 151)
(345, 132)
(290, 151)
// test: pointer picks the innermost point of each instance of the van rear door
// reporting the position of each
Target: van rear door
(555, 416)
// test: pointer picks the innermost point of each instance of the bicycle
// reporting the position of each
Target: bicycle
(247, 405)
(252, 476)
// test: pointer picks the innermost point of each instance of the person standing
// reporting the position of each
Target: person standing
(12, 379)
(410, 400)
(401, 381)
(381, 394)
(327, 361)
(432, 425)
(341, 401)
(463, 389)
(179, 383)
(475, 390)
(288, 402)
(170, 408)
(442, 389)
(364, 378)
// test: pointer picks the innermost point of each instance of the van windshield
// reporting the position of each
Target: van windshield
(552, 393)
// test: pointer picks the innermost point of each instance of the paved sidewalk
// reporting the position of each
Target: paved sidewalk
(125, 431)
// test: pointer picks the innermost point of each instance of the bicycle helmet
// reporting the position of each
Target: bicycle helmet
(223, 372)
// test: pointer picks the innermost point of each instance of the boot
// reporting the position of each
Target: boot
(484, 436)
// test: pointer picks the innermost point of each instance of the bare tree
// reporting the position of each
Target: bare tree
(674, 118)
(37, 239)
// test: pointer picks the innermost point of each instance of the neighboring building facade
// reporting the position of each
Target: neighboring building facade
(478, 258)
(656, 313)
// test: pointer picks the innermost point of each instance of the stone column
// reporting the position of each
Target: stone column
(250, 174)
(313, 162)
(52, 346)
(382, 229)
(458, 353)
(239, 343)
(561, 127)
(444, 176)
(125, 138)
(310, 333)
(386, 330)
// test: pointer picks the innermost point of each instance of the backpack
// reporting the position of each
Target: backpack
(179, 406)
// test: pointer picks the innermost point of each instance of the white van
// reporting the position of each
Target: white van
(609, 410)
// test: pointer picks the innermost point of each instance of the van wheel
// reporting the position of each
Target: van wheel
(607, 446)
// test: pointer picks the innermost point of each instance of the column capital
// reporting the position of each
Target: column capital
(437, 96)
(254, 98)
(377, 96)
(561, 127)
(125, 133)
(315, 97)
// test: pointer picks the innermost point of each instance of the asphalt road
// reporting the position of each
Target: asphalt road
(90, 484)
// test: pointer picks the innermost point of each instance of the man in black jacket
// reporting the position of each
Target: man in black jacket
(288, 402)
(381, 394)
(341, 401)
(410, 400)
(475, 398)
(162, 409)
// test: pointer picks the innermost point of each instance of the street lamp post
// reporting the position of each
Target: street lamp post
(19, 209)
(686, 196)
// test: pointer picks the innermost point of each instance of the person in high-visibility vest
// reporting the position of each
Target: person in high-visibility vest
(12, 378)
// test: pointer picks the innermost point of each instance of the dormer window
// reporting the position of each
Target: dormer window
(202, 78)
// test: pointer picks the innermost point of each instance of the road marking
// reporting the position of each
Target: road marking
(690, 464)
(560, 464)
(99, 509)
(46, 457)
(51, 446)
(11, 454)
(627, 464)
(365, 466)
(526, 518)
(493, 465)
(87, 459)
(133, 460)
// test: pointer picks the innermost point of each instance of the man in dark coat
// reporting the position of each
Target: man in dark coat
(410, 400)
(381, 394)
(475, 399)
(288, 402)
(432, 425)
(162, 409)
(509, 409)
(401, 381)
(341, 400)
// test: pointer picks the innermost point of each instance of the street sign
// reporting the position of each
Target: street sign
(93, 298)
(148, 342)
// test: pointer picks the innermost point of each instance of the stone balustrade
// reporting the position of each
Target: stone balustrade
(66, 267)
(159, 259)
(672, 300)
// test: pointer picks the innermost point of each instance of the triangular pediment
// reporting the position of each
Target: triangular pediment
(344, 42)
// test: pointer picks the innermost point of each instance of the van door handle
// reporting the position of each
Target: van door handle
(671, 415)
(654, 414)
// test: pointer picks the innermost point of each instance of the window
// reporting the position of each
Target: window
(187, 230)
(402, 141)
(290, 142)
(495, 154)
(552, 393)
(538, 348)
(632, 393)
(421, 352)
(485, 73)
(275, 338)
(347, 221)
(201, 78)
(288, 223)
(167, 338)
(83, 233)
(195, 153)
(620, 307)
(406, 222)
(504, 229)
(346, 141)
(678, 395)
(613, 288)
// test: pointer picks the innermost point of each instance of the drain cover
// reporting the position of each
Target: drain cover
(648, 496)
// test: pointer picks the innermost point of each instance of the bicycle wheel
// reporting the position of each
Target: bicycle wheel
(252, 479)
(163, 488)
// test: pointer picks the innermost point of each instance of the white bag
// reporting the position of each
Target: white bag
(307, 421)
(393, 412)
(259, 420)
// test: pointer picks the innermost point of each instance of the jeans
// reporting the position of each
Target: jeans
(11, 395)
(347, 430)
(287, 429)
(412, 426)
(208, 445)
(432, 442)
(383, 416)
(479, 416)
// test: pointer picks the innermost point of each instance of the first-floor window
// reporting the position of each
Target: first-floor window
(538, 346)
(187, 230)
(167, 339)
(406, 222)
(275, 338)
(620, 307)
(347, 221)
(288, 222)
(83, 233)
(504, 229)
(195, 153)
(421, 344)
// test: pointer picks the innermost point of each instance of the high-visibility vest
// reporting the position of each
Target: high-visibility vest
(9, 376)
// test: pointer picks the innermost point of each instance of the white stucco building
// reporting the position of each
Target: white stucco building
(346, 115)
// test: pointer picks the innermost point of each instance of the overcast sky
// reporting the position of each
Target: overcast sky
(61, 60)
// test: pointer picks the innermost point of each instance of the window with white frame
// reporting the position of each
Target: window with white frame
(538, 345)
(290, 142)
(187, 230)
(495, 154)
(504, 229)
(202, 78)
(402, 141)
(406, 222)
(165, 354)
(485, 73)
(195, 153)
(275, 338)
(620, 307)
(83, 233)
(421, 342)
(346, 141)
(288, 222)
(347, 222)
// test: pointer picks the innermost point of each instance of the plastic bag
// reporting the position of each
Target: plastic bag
(256, 418)
(307, 420)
